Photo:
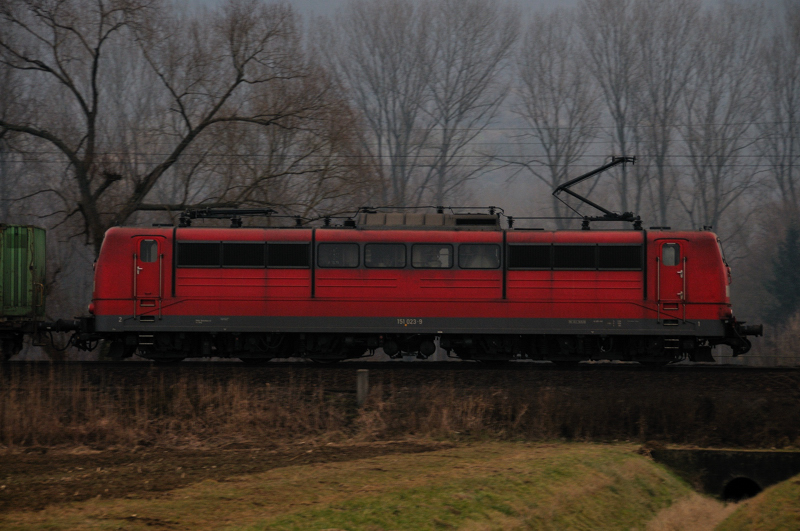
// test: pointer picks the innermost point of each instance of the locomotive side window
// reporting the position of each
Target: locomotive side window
(148, 251)
(338, 255)
(529, 256)
(196, 254)
(574, 257)
(432, 256)
(242, 254)
(619, 257)
(478, 256)
(671, 254)
(287, 254)
(385, 255)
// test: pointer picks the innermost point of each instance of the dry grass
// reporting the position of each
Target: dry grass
(693, 513)
(778, 507)
(477, 486)
(43, 410)
(50, 410)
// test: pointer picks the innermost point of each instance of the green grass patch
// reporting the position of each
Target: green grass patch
(596, 496)
(480, 486)
(778, 507)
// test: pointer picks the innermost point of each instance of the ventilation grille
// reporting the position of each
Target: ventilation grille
(529, 257)
(196, 254)
(243, 255)
(619, 257)
(287, 254)
(574, 257)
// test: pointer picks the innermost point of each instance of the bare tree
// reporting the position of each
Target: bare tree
(381, 51)
(59, 46)
(608, 31)
(309, 171)
(555, 100)
(16, 154)
(721, 101)
(779, 143)
(427, 78)
(664, 34)
(213, 68)
(7, 181)
(472, 40)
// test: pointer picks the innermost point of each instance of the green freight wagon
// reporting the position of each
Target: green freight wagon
(22, 277)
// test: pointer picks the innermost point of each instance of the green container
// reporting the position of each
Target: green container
(22, 273)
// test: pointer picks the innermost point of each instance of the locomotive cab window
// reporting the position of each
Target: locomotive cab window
(385, 255)
(478, 256)
(529, 256)
(432, 256)
(287, 255)
(198, 254)
(671, 254)
(148, 251)
(344, 255)
(243, 254)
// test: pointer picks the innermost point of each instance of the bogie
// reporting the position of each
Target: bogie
(261, 347)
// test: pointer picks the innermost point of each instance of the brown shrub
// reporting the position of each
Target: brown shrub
(779, 347)
(787, 342)
(52, 409)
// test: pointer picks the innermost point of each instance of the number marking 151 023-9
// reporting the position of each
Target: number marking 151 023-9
(406, 322)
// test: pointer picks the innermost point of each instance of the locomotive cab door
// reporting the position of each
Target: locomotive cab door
(671, 281)
(148, 285)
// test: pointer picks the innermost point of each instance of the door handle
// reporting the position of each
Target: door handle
(40, 288)
(138, 270)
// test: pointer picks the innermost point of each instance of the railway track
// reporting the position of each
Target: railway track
(752, 382)
(422, 366)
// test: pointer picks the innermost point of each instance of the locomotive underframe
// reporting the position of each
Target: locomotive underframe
(255, 346)
(646, 341)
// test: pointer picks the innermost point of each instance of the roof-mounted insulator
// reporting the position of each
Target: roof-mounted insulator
(234, 214)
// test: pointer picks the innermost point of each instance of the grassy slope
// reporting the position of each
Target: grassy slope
(778, 507)
(482, 486)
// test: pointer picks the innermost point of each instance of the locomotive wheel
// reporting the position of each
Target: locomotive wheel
(654, 364)
(339, 355)
(255, 361)
(167, 361)
(166, 357)
(116, 350)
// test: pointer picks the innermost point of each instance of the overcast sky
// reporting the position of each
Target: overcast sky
(328, 7)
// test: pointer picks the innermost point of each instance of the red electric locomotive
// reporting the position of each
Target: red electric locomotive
(400, 281)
